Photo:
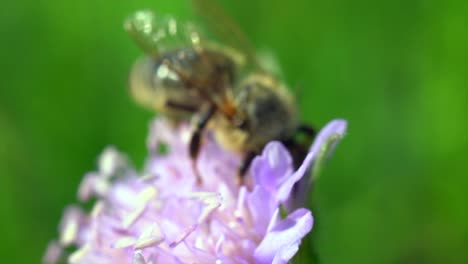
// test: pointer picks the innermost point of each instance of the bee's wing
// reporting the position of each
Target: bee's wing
(156, 34)
(225, 28)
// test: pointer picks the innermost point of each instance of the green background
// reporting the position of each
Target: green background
(396, 190)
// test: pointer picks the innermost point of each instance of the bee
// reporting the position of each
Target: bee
(220, 86)
(178, 77)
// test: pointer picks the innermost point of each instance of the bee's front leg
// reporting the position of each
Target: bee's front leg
(199, 122)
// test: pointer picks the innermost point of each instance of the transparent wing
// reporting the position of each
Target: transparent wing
(156, 34)
(224, 27)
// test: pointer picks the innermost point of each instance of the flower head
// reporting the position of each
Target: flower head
(163, 215)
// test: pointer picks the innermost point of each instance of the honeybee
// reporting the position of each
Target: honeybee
(180, 74)
(217, 85)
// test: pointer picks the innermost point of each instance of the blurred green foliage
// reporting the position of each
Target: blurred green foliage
(396, 190)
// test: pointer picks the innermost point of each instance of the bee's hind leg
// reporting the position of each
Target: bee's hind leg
(199, 123)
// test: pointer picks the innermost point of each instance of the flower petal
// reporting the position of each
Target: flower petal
(285, 189)
(138, 258)
(70, 227)
(271, 168)
(280, 243)
(321, 149)
(111, 161)
(325, 143)
(337, 126)
(53, 253)
(261, 206)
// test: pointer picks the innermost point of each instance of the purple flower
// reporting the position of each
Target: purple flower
(162, 215)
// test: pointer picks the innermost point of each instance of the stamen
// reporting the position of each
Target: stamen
(80, 254)
(183, 236)
(142, 201)
(124, 242)
(151, 236)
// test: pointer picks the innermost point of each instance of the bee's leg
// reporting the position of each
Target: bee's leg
(245, 166)
(199, 122)
(298, 145)
(297, 151)
(181, 106)
(307, 130)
